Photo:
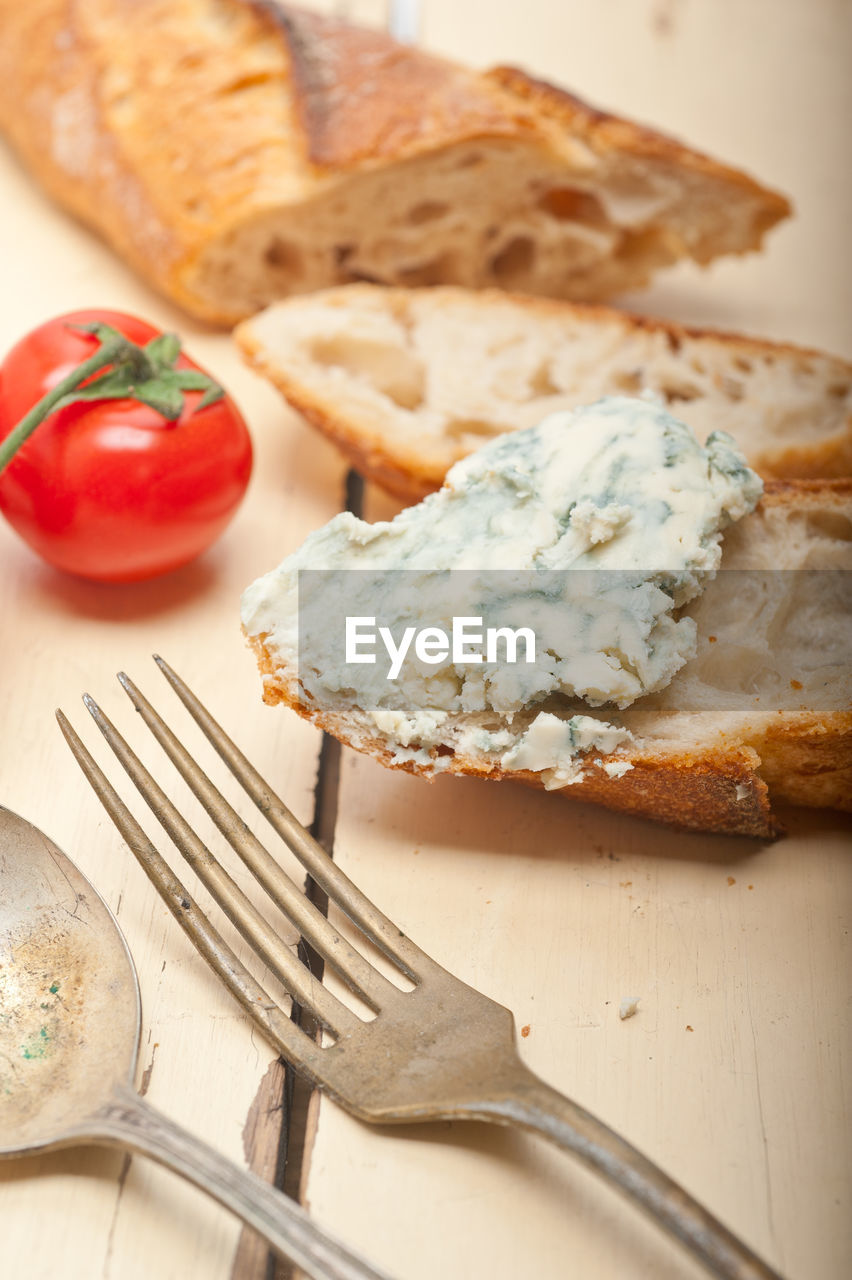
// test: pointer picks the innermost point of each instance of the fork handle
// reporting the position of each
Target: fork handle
(534, 1105)
(130, 1123)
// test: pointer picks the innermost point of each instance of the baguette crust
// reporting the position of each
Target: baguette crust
(721, 773)
(234, 151)
(363, 99)
(607, 133)
(728, 787)
(693, 790)
(398, 448)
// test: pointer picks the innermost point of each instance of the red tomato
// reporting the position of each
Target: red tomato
(109, 489)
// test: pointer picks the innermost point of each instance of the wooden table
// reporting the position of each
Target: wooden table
(731, 1075)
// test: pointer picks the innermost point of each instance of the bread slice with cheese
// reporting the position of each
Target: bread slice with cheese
(617, 711)
(406, 382)
(236, 151)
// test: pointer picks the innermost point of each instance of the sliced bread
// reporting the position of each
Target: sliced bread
(406, 382)
(617, 711)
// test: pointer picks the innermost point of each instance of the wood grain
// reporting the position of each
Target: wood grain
(731, 1073)
(60, 636)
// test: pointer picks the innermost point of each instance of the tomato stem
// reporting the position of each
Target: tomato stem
(106, 354)
(147, 374)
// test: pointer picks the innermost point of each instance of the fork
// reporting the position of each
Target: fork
(439, 1051)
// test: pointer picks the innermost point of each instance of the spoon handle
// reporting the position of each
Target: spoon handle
(128, 1122)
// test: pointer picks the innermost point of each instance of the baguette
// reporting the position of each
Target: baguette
(759, 715)
(236, 151)
(406, 382)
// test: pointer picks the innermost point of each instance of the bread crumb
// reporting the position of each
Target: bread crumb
(795, 684)
(629, 1005)
(711, 639)
(525, 1030)
(689, 1028)
(731, 880)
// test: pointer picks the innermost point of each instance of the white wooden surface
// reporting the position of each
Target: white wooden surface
(557, 910)
(730, 1075)
(60, 636)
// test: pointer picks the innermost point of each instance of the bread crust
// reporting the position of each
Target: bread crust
(729, 789)
(726, 783)
(696, 791)
(363, 99)
(609, 133)
(410, 475)
(170, 126)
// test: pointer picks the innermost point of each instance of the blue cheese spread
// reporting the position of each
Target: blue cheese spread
(620, 493)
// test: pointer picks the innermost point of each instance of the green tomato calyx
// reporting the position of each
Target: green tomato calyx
(125, 371)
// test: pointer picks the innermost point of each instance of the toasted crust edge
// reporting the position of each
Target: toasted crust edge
(691, 790)
(718, 790)
(728, 787)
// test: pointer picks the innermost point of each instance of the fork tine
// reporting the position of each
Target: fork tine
(356, 972)
(381, 931)
(281, 1031)
(295, 976)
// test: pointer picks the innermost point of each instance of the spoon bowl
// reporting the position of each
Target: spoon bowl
(70, 1018)
(71, 1013)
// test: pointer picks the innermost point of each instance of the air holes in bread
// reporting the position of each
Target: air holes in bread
(829, 524)
(650, 245)
(629, 381)
(680, 391)
(514, 262)
(429, 273)
(283, 257)
(426, 211)
(568, 204)
(394, 372)
(458, 427)
(732, 388)
(541, 382)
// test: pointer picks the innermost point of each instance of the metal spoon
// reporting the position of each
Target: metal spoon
(69, 1037)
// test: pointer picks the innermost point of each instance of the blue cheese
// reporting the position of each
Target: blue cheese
(552, 747)
(619, 492)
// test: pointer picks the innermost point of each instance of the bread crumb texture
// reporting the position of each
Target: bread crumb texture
(706, 744)
(407, 382)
